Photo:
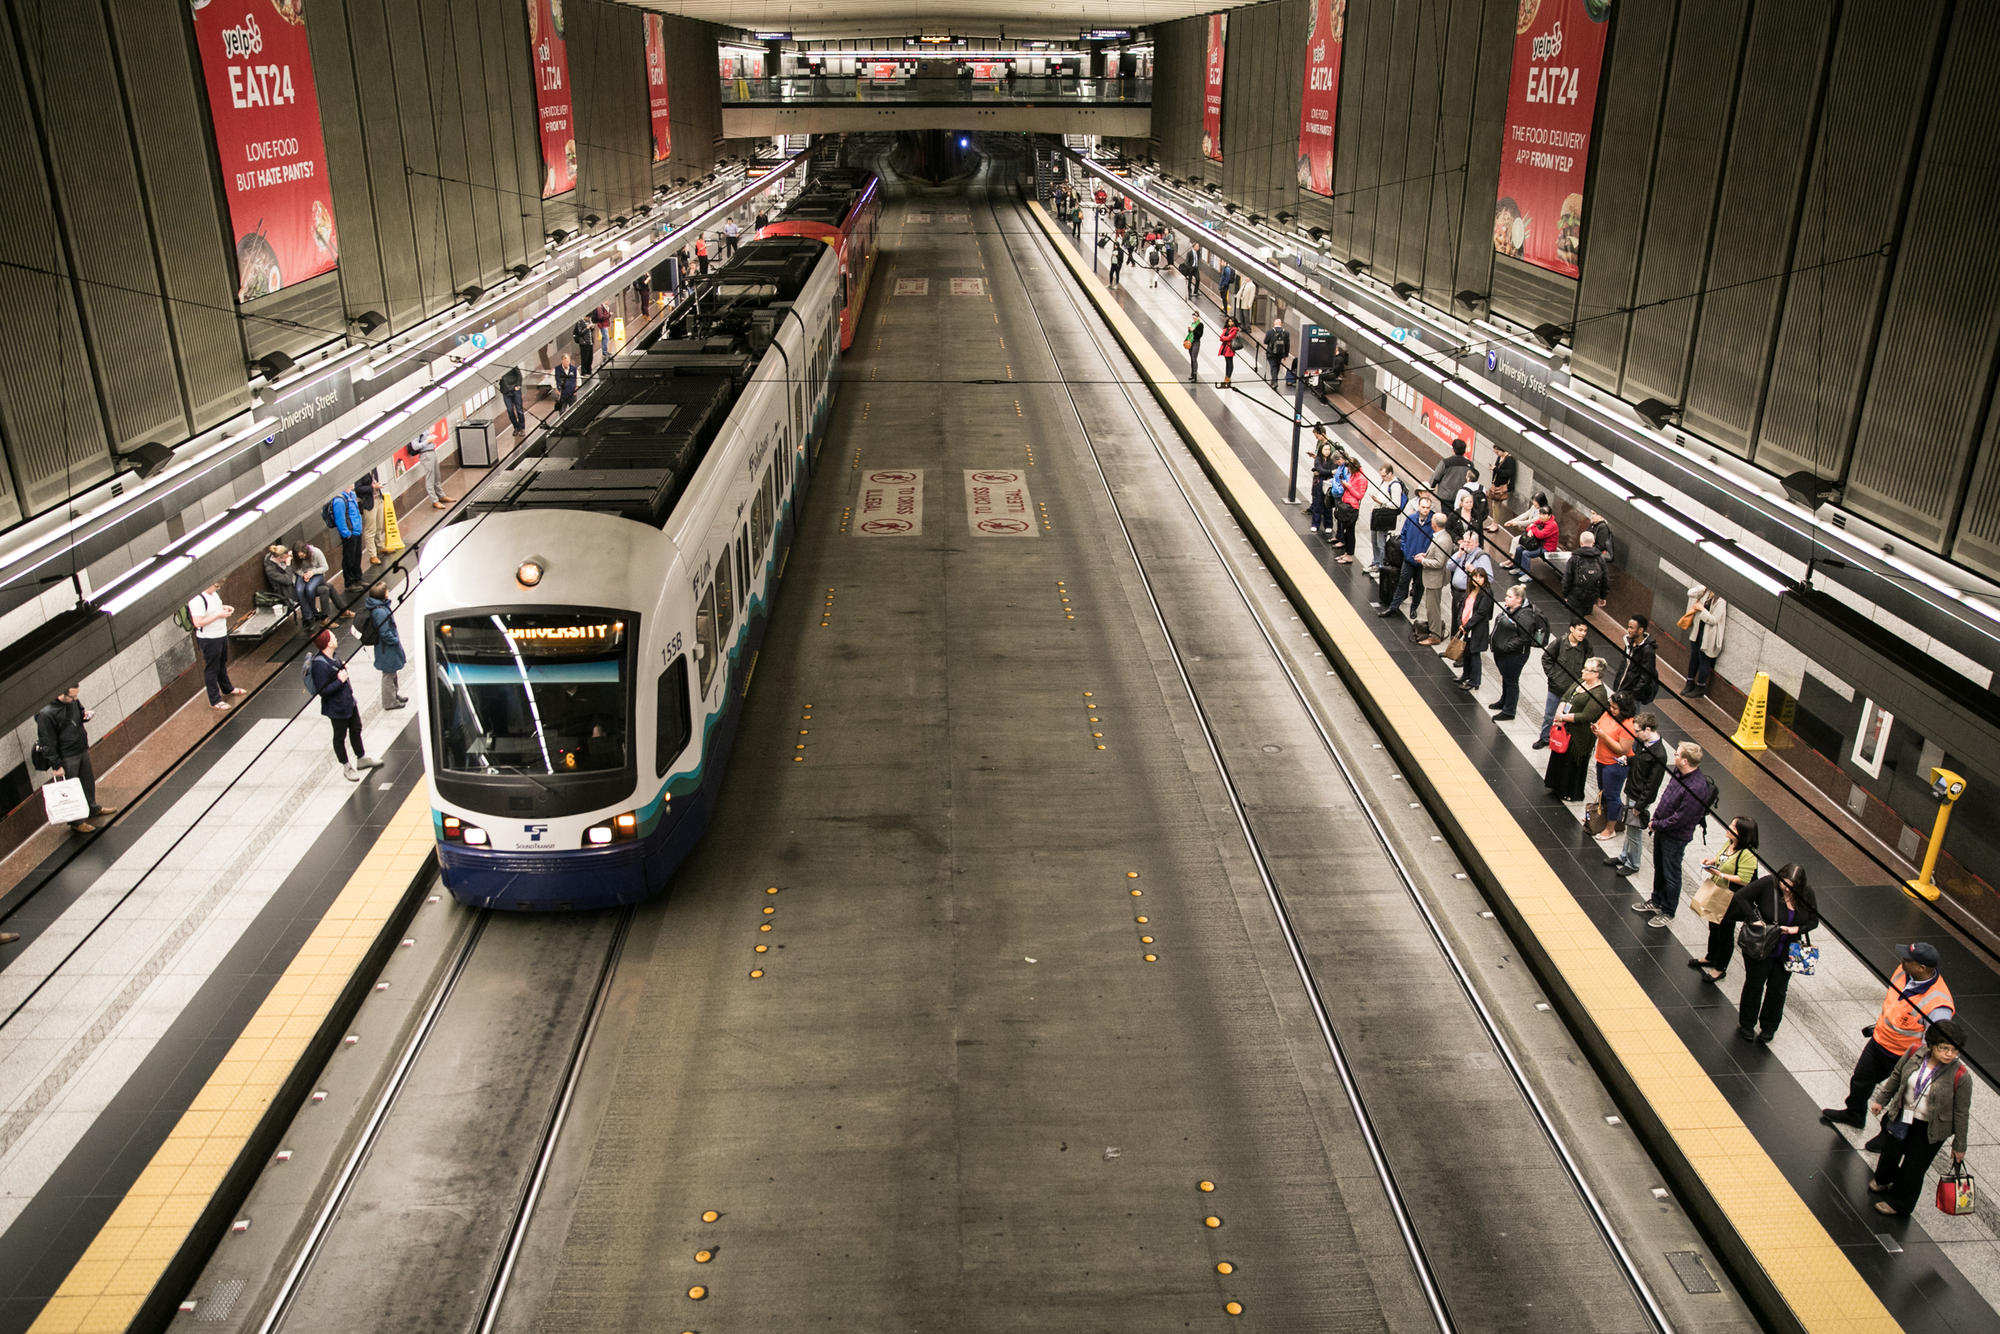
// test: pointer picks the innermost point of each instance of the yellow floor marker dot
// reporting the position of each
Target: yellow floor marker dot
(710, 1216)
(1142, 919)
(1136, 893)
(1086, 694)
(1097, 734)
(772, 890)
(1131, 875)
(1100, 748)
(762, 948)
(1224, 1267)
(1211, 1221)
(804, 732)
(1204, 1185)
(703, 1257)
(756, 972)
(798, 759)
(697, 1292)
(1147, 940)
(1234, 1308)
(1152, 958)
(769, 910)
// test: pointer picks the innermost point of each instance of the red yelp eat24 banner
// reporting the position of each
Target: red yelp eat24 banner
(267, 138)
(656, 88)
(1551, 100)
(1321, 100)
(549, 53)
(1211, 94)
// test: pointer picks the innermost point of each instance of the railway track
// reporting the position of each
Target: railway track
(1413, 1236)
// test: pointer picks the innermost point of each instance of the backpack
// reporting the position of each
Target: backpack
(327, 516)
(306, 673)
(1590, 582)
(371, 631)
(1538, 626)
(184, 617)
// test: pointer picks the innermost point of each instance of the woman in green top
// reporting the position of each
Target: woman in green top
(1735, 866)
(1565, 775)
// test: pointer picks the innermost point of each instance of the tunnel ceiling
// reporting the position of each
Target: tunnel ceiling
(849, 18)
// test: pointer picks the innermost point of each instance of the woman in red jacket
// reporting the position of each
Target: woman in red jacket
(1347, 509)
(1232, 334)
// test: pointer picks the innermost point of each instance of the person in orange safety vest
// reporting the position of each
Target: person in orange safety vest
(1916, 999)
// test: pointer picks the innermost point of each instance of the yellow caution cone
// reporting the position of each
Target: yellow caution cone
(1750, 731)
(618, 331)
(392, 537)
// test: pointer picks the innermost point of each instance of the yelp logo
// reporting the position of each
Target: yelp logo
(247, 40)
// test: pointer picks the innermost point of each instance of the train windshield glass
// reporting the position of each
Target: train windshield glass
(542, 693)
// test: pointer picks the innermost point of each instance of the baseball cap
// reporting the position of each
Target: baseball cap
(1922, 952)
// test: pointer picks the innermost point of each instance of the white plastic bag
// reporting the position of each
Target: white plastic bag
(63, 799)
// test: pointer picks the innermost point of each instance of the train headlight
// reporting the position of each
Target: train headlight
(531, 571)
(475, 837)
(458, 831)
(619, 828)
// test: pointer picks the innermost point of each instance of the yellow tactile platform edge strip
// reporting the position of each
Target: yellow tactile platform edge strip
(106, 1289)
(1810, 1274)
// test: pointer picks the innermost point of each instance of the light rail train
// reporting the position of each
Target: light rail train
(588, 630)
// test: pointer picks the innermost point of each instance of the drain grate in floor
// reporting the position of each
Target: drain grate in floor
(218, 1305)
(1692, 1273)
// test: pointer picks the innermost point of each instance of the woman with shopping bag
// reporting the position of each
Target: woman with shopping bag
(1924, 1101)
(1729, 871)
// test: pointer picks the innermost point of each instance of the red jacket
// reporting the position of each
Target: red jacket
(1226, 345)
(1357, 489)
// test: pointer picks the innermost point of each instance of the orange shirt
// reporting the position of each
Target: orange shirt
(1613, 738)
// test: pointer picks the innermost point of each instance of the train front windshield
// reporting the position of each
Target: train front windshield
(540, 693)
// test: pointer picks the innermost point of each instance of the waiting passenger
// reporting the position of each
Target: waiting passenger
(1683, 807)
(378, 631)
(1319, 509)
(62, 744)
(1117, 263)
(1916, 1000)
(1515, 633)
(1192, 342)
(1415, 536)
(1505, 469)
(1706, 616)
(1347, 511)
(1645, 770)
(1615, 740)
(1585, 581)
(1926, 1100)
(1392, 501)
(309, 589)
(1539, 534)
(328, 678)
(1785, 901)
(278, 574)
(1641, 677)
(1433, 561)
(1576, 716)
(1226, 347)
(1562, 665)
(1277, 346)
(1475, 623)
(1450, 474)
(565, 382)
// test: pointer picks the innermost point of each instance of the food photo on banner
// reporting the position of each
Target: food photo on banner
(1321, 101)
(656, 87)
(1211, 97)
(1545, 154)
(258, 71)
(549, 49)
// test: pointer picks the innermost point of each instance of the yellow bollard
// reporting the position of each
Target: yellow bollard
(1946, 788)
(392, 536)
(1750, 731)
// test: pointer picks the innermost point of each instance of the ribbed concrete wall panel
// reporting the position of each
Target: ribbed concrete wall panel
(1491, 28)
(475, 118)
(1674, 258)
(1768, 151)
(1978, 543)
(1374, 49)
(97, 183)
(416, 107)
(382, 126)
(340, 122)
(1621, 175)
(1877, 94)
(460, 231)
(163, 89)
(496, 115)
(1395, 167)
(535, 223)
(1934, 363)
(48, 406)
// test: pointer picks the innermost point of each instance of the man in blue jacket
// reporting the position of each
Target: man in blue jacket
(1684, 805)
(343, 515)
(1415, 538)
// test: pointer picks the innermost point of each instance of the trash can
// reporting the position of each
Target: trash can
(475, 444)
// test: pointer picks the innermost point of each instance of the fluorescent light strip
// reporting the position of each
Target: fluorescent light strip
(301, 479)
(1597, 476)
(166, 571)
(227, 531)
(1673, 523)
(1736, 564)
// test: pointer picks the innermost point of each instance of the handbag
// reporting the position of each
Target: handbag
(1559, 738)
(1757, 938)
(1686, 622)
(1595, 818)
(1954, 1191)
(1802, 958)
(64, 801)
(1381, 519)
(1711, 903)
(1454, 648)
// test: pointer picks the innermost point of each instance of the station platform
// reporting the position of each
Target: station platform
(1035, 845)
(1932, 1271)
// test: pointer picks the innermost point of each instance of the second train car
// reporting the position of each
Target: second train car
(841, 208)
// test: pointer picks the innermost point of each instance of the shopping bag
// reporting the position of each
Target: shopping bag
(1559, 738)
(1711, 901)
(1954, 1191)
(1454, 648)
(1802, 958)
(64, 801)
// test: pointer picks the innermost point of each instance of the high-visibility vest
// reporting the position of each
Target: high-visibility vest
(1900, 1028)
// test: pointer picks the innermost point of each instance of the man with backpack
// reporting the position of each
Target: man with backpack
(63, 748)
(1644, 772)
(207, 616)
(1224, 281)
(1191, 270)
(343, 515)
(585, 338)
(1683, 808)
(1277, 346)
(1584, 579)
(377, 627)
(1517, 631)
